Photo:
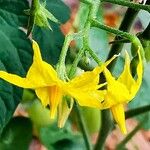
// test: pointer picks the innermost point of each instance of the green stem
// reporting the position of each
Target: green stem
(86, 2)
(134, 40)
(129, 4)
(137, 111)
(128, 137)
(105, 129)
(122, 34)
(61, 69)
(129, 17)
(93, 9)
(94, 56)
(83, 127)
(116, 49)
(75, 63)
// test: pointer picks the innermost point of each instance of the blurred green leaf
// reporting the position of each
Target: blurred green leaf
(55, 138)
(17, 135)
(58, 9)
(144, 20)
(39, 115)
(92, 119)
(142, 98)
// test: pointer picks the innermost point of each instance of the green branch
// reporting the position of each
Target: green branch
(137, 111)
(134, 40)
(105, 129)
(128, 137)
(75, 63)
(129, 4)
(83, 127)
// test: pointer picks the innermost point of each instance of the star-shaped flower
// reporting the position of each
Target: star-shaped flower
(122, 90)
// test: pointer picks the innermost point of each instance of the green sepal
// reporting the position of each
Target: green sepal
(39, 15)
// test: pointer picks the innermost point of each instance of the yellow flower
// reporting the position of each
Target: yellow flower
(42, 77)
(122, 90)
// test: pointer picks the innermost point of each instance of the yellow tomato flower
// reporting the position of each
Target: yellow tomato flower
(42, 77)
(122, 90)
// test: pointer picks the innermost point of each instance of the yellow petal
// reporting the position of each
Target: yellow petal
(119, 116)
(52, 96)
(15, 79)
(64, 111)
(87, 80)
(55, 98)
(43, 94)
(116, 91)
(126, 76)
(90, 98)
(138, 82)
(41, 74)
(90, 79)
(127, 79)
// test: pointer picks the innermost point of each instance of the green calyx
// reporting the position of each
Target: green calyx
(39, 15)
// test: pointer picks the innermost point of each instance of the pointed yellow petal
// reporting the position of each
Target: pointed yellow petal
(119, 116)
(138, 82)
(37, 55)
(90, 79)
(64, 111)
(52, 96)
(16, 80)
(41, 74)
(43, 95)
(85, 97)
(55, 98)
(126, 76)
(87, 80)
(116, 91)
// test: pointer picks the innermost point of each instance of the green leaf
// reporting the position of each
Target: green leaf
(15, 54)
(15, 49)
(15, 57)
(12, 12)
(55, 138)
(142, 98)
(50, 42)
(17, 135)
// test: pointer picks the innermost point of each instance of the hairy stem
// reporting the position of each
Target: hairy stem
(129, 4)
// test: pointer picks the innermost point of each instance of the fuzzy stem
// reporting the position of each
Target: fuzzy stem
(75, 63)
(129, 4)
(134, 40)
(61, 69)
